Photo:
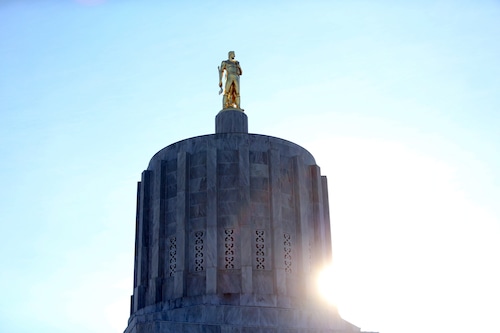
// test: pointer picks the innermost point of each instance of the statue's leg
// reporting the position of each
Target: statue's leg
(224, 101)
(231, 96)
(236, 90)
(228, 93)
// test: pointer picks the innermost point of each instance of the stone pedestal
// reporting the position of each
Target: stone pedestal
(231, 121)
(231, 230)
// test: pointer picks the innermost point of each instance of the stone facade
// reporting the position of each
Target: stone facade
(231, 228)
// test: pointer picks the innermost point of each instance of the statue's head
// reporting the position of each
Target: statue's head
(231, 55)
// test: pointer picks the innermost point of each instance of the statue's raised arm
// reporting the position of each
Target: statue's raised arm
(232, 69)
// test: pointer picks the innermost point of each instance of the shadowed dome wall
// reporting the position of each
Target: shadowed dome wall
(231, 229)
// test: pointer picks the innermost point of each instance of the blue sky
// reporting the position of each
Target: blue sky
(398, 101)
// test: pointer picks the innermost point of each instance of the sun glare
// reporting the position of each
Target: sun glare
(326, 285)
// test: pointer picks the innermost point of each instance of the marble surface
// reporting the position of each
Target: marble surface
(230, 229)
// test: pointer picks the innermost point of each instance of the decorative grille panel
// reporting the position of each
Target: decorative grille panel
(229, 248)
(172, 256)
(259, 253)
(199, 262)
(287, 245)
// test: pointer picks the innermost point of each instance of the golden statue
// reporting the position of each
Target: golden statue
(231, 90)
